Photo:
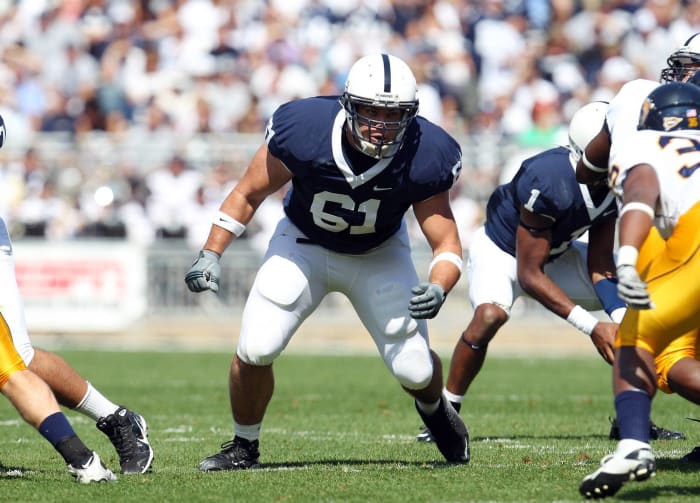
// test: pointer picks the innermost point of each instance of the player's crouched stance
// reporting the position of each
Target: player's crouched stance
(356, 164)
(657, 254)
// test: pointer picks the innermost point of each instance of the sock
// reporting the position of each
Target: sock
(428, 408)
(455, 400)
(95, 404)
(248, 431)
(633, 409)
(57, 430)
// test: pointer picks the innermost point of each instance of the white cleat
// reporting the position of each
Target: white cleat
(92, 471)
(616, 469)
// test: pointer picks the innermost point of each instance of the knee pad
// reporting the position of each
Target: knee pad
(413, 369)
(257, 354)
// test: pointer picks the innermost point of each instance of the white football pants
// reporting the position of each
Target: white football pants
(11, 304)
(296, 276)
(493, 277)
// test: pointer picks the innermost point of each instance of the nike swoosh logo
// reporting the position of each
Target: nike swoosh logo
(608, 212)
(379, 189)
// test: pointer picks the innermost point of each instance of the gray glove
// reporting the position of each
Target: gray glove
(632, 289)
(426, 301)
(204, 273)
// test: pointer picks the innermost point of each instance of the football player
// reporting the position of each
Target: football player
(654, 173)
(37, 405)
(678, 363)
(126, 429)
(529, 246)
(356, 163)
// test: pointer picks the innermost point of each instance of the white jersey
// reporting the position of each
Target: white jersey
(623, 112)
(675, 156)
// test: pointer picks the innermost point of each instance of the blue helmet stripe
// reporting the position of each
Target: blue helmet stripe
(387, 73)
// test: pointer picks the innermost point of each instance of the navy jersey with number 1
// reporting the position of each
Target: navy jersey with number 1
(344, 200)
(546, 185)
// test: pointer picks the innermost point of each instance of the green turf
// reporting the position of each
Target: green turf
(341, 429)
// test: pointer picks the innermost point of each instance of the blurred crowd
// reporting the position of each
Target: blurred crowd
(126, 85)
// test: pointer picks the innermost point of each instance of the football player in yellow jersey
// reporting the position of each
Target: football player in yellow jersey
(654, 172)
(37, 405)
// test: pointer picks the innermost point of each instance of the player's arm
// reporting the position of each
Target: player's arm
(437, 223)
(601, 267)
(434, 216)
(533, 243)
(532, 247)
(640, 195)
(265, 175)
(592, 167)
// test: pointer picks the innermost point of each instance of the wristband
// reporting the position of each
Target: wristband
(582, 319)
(229, 223)
(606, 291)
(447, 257)
(618, 314)
(637, 206)
(592, 166)
(627, 255)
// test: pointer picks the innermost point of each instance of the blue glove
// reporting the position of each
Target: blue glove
(632, 289)
(426, 301)
(204, 273)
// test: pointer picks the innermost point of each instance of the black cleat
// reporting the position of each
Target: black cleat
(692, 457)
(236, 454)
(615, 470)
(449, 432)
(425, 436)
(655, 432)
(128, 432)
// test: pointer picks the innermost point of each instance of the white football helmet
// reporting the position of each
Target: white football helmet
(379, 80)
(585, 125)
(683, 62)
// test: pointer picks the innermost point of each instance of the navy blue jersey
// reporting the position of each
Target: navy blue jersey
(344, 200)
(546, 184)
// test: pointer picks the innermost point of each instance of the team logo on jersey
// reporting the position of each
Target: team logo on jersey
(671, 122)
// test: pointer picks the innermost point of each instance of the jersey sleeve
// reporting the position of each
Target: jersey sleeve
(623, 113)
(638, 148)
(538, 190)
(297, 126)
(438, 161)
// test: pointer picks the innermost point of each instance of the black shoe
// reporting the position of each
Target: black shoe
(655, 432)
(236, 454)
(128, 432)
(692, 457)
(449, 431)
(425, 436)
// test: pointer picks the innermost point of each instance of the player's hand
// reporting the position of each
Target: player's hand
(603, 337)
(632, 289)
(426, 301)
(204, 273)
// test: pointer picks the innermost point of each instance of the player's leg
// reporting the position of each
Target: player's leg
(286, 290)
(491, 276)
(69, 387)
(379, 287)
(642, 336)
(36, 404)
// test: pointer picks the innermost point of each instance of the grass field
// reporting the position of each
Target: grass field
(340, 429)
